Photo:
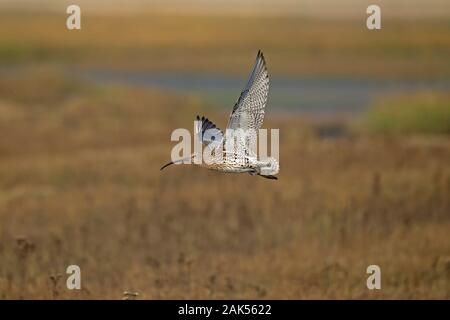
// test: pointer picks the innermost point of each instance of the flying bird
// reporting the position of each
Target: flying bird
(247, 116)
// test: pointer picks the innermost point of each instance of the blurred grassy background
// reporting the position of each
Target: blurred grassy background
(419, 113)
(223, 43)
(79, 161)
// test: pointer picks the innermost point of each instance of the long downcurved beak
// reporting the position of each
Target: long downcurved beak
(166, 165)
(175, 162)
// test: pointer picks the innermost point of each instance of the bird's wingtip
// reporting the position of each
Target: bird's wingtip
(260, 57)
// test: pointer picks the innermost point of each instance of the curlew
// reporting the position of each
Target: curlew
(233, 152)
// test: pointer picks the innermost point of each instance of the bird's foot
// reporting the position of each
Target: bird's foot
(269, 177)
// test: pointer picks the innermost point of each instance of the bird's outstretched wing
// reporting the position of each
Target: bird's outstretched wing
(207, 131)
(248, 112)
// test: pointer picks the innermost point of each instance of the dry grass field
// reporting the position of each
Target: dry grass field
(80, 184)
(80, 181)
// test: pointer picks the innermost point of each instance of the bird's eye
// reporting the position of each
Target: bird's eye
(213, 138)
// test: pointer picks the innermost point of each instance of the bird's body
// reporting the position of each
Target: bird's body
(234, 152)
(232, 165)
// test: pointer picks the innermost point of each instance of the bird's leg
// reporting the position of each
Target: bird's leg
(269, 177)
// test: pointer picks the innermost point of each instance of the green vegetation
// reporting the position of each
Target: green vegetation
(416, 113)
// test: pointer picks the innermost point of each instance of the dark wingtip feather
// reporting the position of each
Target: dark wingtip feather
(260, 60)
(260, 54)
(206, 124)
